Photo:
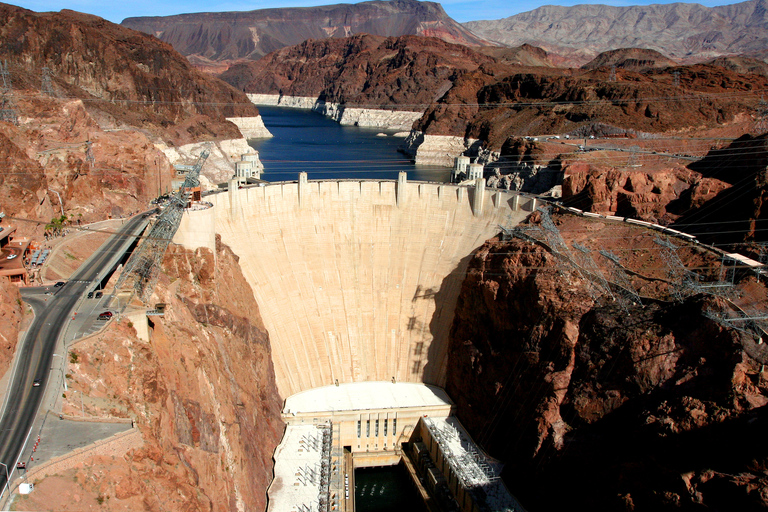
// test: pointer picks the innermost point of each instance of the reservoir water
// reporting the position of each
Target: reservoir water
(386, 489)
(308, 141)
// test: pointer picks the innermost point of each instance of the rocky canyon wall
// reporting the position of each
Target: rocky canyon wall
(595, 407)
(201, 391)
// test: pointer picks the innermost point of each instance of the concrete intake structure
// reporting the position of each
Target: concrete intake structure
(355, 280)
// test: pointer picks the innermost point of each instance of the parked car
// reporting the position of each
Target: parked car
(90, 295)
(105, 315)
(21, 465)
(99, 295)
(11, 256)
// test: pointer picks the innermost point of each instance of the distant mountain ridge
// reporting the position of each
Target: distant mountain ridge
(686, 32)
(209, 38)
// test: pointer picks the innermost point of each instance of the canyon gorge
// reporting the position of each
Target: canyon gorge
(589, 400)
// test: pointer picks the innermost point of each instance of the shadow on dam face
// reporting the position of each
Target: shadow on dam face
(355, 280)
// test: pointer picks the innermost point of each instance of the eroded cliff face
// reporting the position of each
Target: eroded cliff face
(593, 407)
(11, 314)
(202, 392)
(659, 196)
(112, 91)
(727, 186)
(128, 75)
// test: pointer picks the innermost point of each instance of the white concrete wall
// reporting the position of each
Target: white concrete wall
(197, 229)
(352, 286)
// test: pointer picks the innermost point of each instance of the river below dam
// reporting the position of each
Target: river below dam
(307, 141)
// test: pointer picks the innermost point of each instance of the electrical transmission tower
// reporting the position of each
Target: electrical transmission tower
(612, 77)
(143, 267)
(761, 117)
(677, 275)
(568, 265)
(591, 271)
(632, 161)
(626, 291)
(7, 110)
(46, 84)
(676, 78)
(89, 158)
(6, 75)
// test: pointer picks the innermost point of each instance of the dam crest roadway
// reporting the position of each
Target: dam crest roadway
(356, 280)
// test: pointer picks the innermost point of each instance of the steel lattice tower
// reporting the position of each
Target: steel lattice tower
(46, 85)
(7, 110)
(678, 276)
(143, 267)
(626, 291)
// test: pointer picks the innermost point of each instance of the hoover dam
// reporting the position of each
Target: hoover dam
(356, 281)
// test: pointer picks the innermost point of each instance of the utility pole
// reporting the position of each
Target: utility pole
(46, 85)
(612, 77)
(761, 117)
(89, 158)
(7, 111)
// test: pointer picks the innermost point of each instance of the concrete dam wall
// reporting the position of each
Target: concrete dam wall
(355, 280)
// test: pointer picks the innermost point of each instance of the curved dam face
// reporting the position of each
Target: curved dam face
(355, 280)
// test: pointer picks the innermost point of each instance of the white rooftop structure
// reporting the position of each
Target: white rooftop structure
(474, 469)
(297, 486)
(357, 396)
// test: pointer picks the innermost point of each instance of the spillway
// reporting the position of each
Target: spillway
(355, 280)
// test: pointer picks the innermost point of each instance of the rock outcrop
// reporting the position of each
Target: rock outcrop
(211, 38)
(683, 31)
(11, 314)
(114, 95)
(201, 391)
(631, 59)
(654, 408)
(130, 76)
(364, 71)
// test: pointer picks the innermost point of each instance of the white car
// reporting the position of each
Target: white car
(11, 256)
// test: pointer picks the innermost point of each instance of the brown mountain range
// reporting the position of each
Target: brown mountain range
(122, 90)
(209, 38)
(686, 32)
(467, 93)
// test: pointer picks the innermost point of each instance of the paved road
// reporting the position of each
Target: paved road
(36, 353)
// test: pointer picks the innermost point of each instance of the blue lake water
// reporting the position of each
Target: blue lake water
(310, 142)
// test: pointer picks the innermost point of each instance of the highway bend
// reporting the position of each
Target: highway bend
(36, 353)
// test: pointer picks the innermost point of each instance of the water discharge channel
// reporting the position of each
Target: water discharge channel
(310, 142)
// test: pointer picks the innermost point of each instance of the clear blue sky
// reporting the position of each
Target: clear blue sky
(460, 10)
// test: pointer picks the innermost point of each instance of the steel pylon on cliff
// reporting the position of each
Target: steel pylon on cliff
(46, 84)
(143, 267)
(7, 110)
(626, 291)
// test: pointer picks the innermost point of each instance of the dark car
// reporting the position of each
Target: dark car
(90, 295)
(59, 284)
(105, 315)
(36, 383)
(99, 295)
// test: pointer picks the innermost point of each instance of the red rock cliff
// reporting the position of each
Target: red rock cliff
(202, 393)
(595, 408)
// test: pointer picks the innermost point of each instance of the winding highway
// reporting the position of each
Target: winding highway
(53, 307)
